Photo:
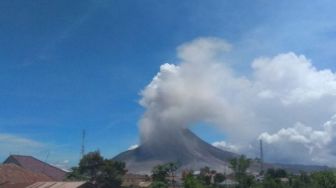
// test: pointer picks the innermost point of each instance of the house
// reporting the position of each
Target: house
(259, 178)
(14, 176)
(32, 164)
(61, 184)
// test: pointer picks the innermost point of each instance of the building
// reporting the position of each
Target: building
(59, 184)
(32, 164)
(229, 183)
(14, 176)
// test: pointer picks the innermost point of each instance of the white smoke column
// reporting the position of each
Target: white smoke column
(193, 91)
(278, 92)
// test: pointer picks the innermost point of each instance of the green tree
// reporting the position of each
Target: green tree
(239, 166)
(103, 173)
(219, 177)
(276, 173)
(190, 181)
(160, 174)
(90, 165)
(159, 184)
(205, 175)
(325, 179)
(111, 174)
(172, 167)
(270, 182)
(75, 174)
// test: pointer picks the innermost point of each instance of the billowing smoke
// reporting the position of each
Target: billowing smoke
(278, 93)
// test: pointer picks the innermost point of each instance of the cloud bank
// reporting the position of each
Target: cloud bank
(284, 100)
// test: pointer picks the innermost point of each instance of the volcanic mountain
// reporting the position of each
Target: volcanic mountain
(181, 146)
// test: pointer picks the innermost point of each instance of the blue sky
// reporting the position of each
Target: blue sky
(66, 66)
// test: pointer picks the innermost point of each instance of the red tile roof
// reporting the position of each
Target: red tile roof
(35, 165)
(13, 176)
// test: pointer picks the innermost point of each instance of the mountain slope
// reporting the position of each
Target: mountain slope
(183, 147)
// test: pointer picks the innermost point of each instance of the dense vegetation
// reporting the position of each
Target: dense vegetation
(272, 178)
(102, 173)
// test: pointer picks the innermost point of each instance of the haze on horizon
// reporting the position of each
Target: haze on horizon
(127, 72)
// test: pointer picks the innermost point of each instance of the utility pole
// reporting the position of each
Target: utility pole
(45, 161)
(83, 144)
(261, 156)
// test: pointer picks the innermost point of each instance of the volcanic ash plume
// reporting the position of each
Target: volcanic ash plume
(184, 94)
(279, 92)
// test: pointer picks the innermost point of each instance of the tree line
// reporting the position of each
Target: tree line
(108, 173)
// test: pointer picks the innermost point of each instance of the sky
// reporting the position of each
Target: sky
(66, 66)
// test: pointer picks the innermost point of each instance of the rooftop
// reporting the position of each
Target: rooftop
(63, 184)
(37, 166)
(13, 176)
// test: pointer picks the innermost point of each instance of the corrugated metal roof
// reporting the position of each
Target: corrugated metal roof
(13, 176)
(35, 165)
(57, 184)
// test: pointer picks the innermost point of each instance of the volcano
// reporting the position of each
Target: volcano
(181, 146)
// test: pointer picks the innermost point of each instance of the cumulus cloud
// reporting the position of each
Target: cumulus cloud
(313, 144)
(278, 92)
(292, 79)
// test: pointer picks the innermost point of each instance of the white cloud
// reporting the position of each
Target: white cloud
(312, 144)
(15, 141)
(226, 146)
(13, 144)
(279, 92)
(292, 79)
(202, 49)
(64, 165)
(132, 147)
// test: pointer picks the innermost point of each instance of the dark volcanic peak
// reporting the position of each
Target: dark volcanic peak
(181, 146)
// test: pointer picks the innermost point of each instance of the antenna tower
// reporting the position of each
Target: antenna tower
(83, 143)
(261, 156)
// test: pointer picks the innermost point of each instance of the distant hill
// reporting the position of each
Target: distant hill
(297, 168)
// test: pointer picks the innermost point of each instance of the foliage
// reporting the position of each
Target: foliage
(272, 183)
(276, 173)
(239, 166)
(191, 182)
(90, 165)
(159, 184)
(219, 177)
(75, 175)
(161, 172)
(103, 173)
(111, 174)
(205, 175)
(325, 179)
